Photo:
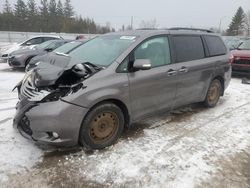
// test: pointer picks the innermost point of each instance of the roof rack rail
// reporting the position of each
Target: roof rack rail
(191, 29)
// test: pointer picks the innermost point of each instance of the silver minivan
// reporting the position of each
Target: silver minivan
(91, 94)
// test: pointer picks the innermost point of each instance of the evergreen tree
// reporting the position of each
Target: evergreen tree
(20, 9)
(20, 13)
(32, 9)
(237, 24)
(48, 16)
(59, 9)
(68, 9)
(60, 18)
(7, 8)
(52, 22)
(7, 16)
(52, 8)
(44, 16)
(32, 15)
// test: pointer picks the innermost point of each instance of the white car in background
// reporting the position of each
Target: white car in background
(30, 43)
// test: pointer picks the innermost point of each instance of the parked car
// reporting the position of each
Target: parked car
(241, 59)
(90, 95)
(64, 49)
(6, 50)
(21, 58)
(233, 42)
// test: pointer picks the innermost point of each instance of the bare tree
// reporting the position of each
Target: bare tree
(149, 24)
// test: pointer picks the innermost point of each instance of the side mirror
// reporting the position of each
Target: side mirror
(80, 70)
(142, 64)
(48, 49)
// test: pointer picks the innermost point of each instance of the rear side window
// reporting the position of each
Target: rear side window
(215, 45)
(48, 38)
(188, 48)
(34, 41)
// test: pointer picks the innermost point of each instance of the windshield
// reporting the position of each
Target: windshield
(245, 45)
(103, 50)
(66, 48)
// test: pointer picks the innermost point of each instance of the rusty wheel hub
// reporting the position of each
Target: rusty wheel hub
(214, 93)
(103, 127)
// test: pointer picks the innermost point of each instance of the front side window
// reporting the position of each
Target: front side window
(156, 50)
(45, 44)
(188, 48)
(49, 38)
(103, 50)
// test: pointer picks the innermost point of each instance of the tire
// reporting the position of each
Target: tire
(213, 93)
(102, 126)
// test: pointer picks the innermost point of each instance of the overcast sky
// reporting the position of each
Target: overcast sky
(168, 13)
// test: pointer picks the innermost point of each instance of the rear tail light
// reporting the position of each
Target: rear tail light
(231, 59)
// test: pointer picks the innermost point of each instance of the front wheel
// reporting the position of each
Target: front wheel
(102, 126)
(213, 93)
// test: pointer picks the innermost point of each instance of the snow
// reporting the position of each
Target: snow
(16, 152)
(183, 149)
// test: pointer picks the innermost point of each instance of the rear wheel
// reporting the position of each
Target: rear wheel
(213, 93)
(102, 126)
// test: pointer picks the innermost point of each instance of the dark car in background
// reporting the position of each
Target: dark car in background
(21, 58)
(91, 94)
(241, 59)
(62, 50)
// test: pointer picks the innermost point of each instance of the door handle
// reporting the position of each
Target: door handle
(183, 70)
(171, 72)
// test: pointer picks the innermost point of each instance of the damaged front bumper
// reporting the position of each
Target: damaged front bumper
(41, 113)
(55, 123)
(44, 117)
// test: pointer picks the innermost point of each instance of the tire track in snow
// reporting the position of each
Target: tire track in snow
(4, 120)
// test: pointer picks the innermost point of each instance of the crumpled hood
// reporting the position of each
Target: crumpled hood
(47, 73)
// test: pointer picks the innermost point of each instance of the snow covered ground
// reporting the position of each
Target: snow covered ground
(191, 147)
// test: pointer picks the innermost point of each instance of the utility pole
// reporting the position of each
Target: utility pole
(131, 22)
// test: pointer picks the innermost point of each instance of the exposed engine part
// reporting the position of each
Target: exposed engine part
(69, 82)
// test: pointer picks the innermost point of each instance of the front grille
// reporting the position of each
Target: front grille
(29, 91)
(24, 124)
(242, 61)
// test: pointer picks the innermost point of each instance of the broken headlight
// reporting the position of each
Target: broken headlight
(62, 91)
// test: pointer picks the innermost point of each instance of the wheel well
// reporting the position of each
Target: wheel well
(28, 60)
(121, 105)
(222, 83)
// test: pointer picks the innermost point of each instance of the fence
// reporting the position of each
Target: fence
(13, 37)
